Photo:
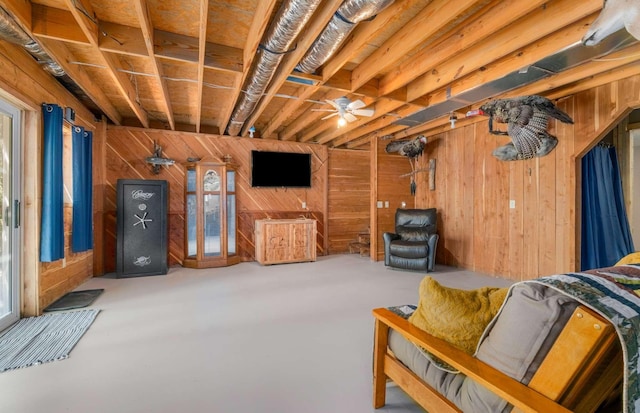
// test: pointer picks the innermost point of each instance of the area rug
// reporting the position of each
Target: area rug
(74, 299)
(36, 340)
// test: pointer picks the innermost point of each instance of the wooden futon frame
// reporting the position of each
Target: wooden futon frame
(582, 371)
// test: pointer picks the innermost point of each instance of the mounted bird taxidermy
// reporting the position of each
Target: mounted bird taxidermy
(527, 120)
(412, 149)
(157, 160)
(615, 15)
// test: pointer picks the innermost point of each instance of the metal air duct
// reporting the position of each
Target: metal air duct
(565, 59)
(291, 18)
(350, 13)
(13, 33)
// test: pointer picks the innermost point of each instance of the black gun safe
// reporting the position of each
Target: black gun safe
(142, 228)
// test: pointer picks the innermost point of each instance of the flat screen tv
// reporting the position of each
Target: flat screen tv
(280, 169)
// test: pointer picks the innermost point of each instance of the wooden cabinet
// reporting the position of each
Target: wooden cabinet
(210, 219)
(285, 240)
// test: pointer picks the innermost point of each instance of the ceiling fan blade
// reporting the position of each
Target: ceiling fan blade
(329, 116)
(363, 112)
(356, 104)
(350, 118)
(332, 103)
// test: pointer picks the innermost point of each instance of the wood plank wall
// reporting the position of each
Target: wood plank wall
(348, 198)
(59, 277)
(126, 149)
(25, 84)
(392, 185)
(99, 168)
(478, 229)
(541, 235)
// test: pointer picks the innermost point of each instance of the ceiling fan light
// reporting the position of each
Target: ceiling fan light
(341, 122)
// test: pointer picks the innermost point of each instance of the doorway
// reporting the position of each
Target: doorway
(10, 196)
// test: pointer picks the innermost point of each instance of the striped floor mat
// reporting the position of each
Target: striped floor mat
(36, 340)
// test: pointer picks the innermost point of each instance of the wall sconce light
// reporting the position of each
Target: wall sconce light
(252, 130)
(453, 118)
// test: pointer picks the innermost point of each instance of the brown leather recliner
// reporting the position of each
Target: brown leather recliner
(413, 245)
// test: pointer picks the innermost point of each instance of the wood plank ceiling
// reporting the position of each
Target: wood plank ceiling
(184, 64)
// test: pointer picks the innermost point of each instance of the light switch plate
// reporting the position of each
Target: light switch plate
(512, 203)
(379, 204)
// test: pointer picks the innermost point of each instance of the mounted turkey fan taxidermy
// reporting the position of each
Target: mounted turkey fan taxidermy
(411, 149)
(615, 15)
(346, 109)
(527, 119)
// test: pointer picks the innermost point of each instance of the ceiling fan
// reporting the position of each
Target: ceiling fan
(346, 110)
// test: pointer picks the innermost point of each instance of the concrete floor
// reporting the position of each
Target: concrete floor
(291, 338)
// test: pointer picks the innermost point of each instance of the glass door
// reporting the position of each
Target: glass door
(211, 219)
(9, 214)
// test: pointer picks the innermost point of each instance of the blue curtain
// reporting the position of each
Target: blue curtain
(82, 226)
(52, 223)
(606, 236)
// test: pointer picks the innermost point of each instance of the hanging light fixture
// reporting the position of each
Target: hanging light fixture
(453, 118)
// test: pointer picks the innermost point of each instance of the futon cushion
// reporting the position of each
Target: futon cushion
(457, 316)
(515, 342)
(519, 338)
(529, 323)
(443, 381)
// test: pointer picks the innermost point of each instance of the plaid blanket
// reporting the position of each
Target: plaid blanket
(614, 293)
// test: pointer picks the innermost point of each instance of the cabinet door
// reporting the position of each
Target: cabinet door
(212, 225)
(299, 241)
(191, 217)
(211, 212)
(231, 213)
(277, 242)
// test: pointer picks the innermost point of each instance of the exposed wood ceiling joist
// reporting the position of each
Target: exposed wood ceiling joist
(84, 81)
(178, 65)
(258, 26)
(322, 17)
(147, 33)
(83, 13)
(202, 47)
(511, 38)
(439, 14)
(475, 33)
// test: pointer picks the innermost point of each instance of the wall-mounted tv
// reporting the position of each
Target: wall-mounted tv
(280, 169)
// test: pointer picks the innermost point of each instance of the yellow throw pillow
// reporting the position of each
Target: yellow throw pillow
(633, 258)
(456, 316)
